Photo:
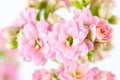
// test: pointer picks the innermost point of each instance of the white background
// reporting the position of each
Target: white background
(9, 9)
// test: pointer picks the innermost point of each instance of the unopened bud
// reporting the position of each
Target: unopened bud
(105, 10)
(113, 19)
(12, 44)
(33, 3)
(80, 3)
(20, 34)
(53, 18)
(90, 56)
(10, 33)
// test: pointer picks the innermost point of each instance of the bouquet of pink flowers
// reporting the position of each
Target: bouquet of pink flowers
(74, 44)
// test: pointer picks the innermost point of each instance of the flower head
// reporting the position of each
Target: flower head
(67, 41)
(75, 71)
(42, 75)
(28, 15)
(34, 44)
(105, 76)
(103, 31)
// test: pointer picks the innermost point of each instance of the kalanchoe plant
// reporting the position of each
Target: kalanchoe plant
(73, 43)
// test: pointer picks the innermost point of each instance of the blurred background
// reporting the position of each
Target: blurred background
(9, 10)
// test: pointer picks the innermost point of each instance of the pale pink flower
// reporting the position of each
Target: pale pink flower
(34, 45)
(103, 31)
(76, 71)
(8, 71)
(85, 16)
(28, 15)
(91, 74)
(67, 41)
(42, 74)
(105, 76)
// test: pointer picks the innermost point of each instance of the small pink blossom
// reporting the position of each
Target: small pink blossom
(103, 31)
(76, 71)
(8, 71)
(42, 75)
(28, 15)
(84, 15)
(34, 45)
(105, 76)
(67, 41)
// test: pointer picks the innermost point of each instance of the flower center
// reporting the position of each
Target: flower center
(38, 43)
(77, 74)
(69, 41)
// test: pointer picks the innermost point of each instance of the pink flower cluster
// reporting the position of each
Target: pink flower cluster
(67, 42)
(73, 71)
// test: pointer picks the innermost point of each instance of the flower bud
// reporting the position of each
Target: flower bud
(10, 33)
(20, 34)
(12, 44)
(105, 10)
(90, 56)
(102, 8)
(113, 19)
(53, 18)
(33, 3)
(80, 3)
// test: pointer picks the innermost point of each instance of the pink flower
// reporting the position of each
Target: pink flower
(67, 41)
(76, 71)
(42, 75)
(105, 76)
(34, 45)
(103, 31)
(28, 15)
(84, 15)
(8, 71)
